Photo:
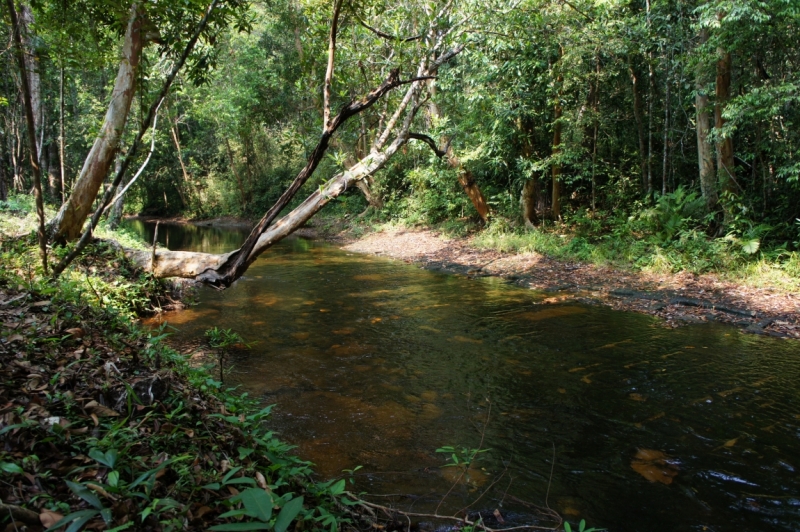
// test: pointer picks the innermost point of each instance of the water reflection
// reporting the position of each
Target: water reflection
(189, 237)
(377, 363)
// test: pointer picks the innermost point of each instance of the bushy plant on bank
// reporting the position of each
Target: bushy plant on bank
(104, 426)
(667, 234)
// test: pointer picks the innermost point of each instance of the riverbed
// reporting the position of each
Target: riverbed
(603, 415)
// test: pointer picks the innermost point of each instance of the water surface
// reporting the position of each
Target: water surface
(376, 363)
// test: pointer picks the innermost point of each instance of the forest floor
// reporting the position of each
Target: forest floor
(680, 299)
(104, 426)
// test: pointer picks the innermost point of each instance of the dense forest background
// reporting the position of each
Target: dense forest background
(666, 125)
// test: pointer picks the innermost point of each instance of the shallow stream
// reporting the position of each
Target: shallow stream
(377, 363)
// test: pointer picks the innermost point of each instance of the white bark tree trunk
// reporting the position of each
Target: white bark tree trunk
(69, 221)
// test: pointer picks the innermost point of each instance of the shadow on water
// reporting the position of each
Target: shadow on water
(377, 363)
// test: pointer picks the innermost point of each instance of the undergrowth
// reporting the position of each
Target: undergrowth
(668, 234)
(105, 427)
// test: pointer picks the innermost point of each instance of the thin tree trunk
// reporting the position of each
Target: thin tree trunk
(116, 210)
(37, 177)
(556, 167)
(725, 165)
(186, 180)
(637, 114)
(61, 134)
(53, 170)
(236, 174)
(366, 186)
(32, 65)
(3, 175)
(70, 218)
(650, 99)
(705, 154)
(594, 137)
(665, 157)
(531, 194)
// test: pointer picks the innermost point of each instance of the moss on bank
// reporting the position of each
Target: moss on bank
(104, 427)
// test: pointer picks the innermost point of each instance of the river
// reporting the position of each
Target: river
(603, 415)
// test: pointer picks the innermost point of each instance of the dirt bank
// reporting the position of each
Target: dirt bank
(679, 299)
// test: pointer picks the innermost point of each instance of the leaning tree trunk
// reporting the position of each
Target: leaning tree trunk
(69, 220)
(465, 177)
(186, 264)
(705, 154)
(367, 187)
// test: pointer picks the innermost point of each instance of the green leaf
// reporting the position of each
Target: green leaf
(258, 503)
(751, 246)
(230, 474)
(241, 480)
(121, 527)
(252, 525)
(338, 488)
(82, 492)
(288, 513)
(72, 517)
(10, 468)
(245, 452)
(108, 459)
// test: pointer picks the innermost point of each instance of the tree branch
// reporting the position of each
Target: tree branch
(388, 36)
(430, 142)
(236, 263)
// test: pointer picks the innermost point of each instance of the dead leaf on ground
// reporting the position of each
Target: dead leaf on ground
(103, 411)
(75, 332)
(49, 518)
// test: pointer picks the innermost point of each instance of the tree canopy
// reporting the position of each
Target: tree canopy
(673, 119)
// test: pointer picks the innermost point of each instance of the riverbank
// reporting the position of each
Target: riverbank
(679, 299)
(104, 426)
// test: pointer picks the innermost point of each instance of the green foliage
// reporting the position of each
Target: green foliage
(463, 457)
(581, 527)
(222, 338)
(673, 213)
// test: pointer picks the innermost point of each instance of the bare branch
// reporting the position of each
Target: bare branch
(388, 36)
(430, 142)
(463, 520)
(237, 262)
